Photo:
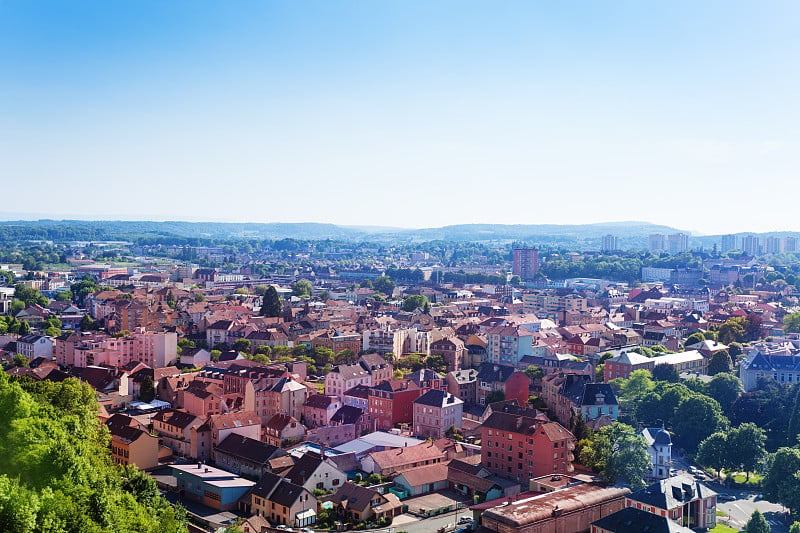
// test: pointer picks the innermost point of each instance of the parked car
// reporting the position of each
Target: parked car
(464, 520)
(724, 497)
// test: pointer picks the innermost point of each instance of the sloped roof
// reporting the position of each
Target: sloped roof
(672, 492)
(632, 520)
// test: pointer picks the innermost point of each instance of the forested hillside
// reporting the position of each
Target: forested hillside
(56, 474)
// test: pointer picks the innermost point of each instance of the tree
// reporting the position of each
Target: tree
(515, 281)
(735, 349)
(795, 527)
(781, 484)
(694, 338)
(384, 284)
(412, 302)
(302, 288)
(495, 396)
(732, 330)
(24, 327)
(713, 451)
(271, 303)
(147, 391)
(534, 373)
(29, 295)
(87, 323)
(791, 322)
(666, 373)
(64, 296)
(21, 361)
(757, 523)
(242, 345)
(324, 296)
(725, 388)
(746, 447)
(696, 418)
(720, 362)
(171, 300)
(616, 451)
(435, 363)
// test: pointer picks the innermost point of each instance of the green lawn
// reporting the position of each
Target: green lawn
(722, 513)
(740, 478)
(722, 528)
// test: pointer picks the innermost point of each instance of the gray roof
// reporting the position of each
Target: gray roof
(672, 492)
(632, 520)
(438, 398)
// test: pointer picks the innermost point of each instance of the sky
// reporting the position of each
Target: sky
(403, 113)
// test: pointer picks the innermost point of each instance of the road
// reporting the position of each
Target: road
(413, 524)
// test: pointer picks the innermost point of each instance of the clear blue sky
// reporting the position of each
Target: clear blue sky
(403, 113)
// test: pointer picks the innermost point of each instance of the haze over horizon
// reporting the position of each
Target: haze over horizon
(406, 114)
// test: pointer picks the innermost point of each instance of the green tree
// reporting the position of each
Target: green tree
(29, 295)
(666, 373)
(24, 327)
(735, 349)
(534, 372)
(302, 288)
(725, 388)
(414, 301)
(21, 361)
(242, 345)
(384, 284)
(271, 303)
(795, 527)
(87, 323)
(435, 363)
(64, 296)
(615, 452)
(747, 448)
(757, 523)
(732, 330)
(171, 299)
(696, 418)
(713, 452)
(694, 338)
(515, 281)
(495, 396)
(720, 362)
(791, 322)
(781, 483)
(147, 391)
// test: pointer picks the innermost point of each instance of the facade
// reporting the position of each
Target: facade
(206, 437)
(452, 350)
(245, 456)
(318, 410)
(132, 445)
(526, 263)
(632, 520)
(435, 412)
(283, 502)
(33, 346)
(357, 503)
(777, 361)
(521, 447)
(312, 472)
(659, 447)
(508, 345)
(396, 460)
(623, 364)
(682, 499)
(392, 403)
(210, 486)
(502, 378)
(569, 509)
(463, 384)
(175, 429)
(345, 377)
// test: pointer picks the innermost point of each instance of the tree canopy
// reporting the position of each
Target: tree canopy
(271, 303)
(56, 473)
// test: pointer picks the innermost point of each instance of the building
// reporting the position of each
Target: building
(623, 364)
(751, 245)
(657, 242)
(357, 504)
(435, 412)
(33, 346)
(392, 403)
(729, 243)
(507, 345)
(283, 502)
(318, 410)
(632, 520)
(779, 361)
(423, 480)
(312, 472)
(132, 444)
(206, 437)
(526, 263)
(569, 394)
(569, 509)
(773, 245)
(175, 429)
(245, 456)
(344, 377)
(522, 447)
(463, 384)
(659, 447)
(681, 498)
(677, 243)
(494, 379)
(609, 243)
(452, 350)
(210, 486)
(396, 460)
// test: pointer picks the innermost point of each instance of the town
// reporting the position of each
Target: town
(508, 387)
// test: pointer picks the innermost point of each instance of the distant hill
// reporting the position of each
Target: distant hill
(588, 236)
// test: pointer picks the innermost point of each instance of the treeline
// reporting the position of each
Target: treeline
(56, 473)
(626, 267)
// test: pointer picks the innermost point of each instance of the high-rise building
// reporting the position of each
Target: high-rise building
(677, 243)
(610, 243)
(728, 243)
(751, 245)
(773, 245)
(790, 245)
(526, 262)
(657, 242)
